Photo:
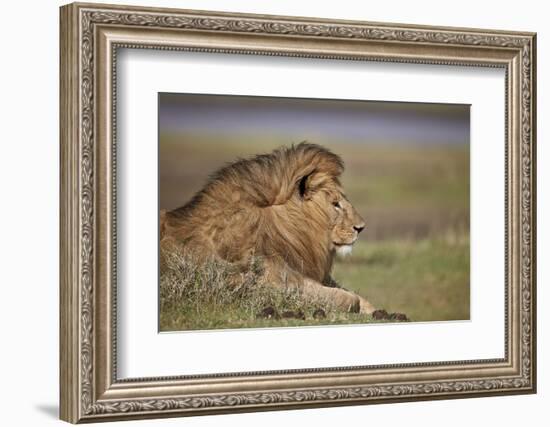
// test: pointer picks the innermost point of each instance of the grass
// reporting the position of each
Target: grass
(426, 280)
(217, 294)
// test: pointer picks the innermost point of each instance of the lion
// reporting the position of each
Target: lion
(287, 207)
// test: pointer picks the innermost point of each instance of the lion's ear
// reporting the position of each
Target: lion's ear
(312, 182)
(306, 186)
(302, 186)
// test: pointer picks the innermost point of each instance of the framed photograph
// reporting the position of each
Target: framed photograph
(266, 212)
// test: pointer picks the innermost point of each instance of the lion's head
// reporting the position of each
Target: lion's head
(287, 204)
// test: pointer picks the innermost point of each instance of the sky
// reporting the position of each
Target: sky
(301, 119)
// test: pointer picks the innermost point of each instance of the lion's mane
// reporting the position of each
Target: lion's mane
(257, 207)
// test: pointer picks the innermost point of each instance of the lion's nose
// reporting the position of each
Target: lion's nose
(359, 227)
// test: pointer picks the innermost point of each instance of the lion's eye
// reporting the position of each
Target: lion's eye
(337, 205)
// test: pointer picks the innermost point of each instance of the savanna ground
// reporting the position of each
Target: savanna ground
(412, 258)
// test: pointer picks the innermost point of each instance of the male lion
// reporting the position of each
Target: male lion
(287, 207)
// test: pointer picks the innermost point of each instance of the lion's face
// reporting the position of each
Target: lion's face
(328, 207)
(346, 224)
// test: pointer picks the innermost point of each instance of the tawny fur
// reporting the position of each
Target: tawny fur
(287, 207)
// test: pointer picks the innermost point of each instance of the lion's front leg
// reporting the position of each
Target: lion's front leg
(365, 306)
(278, 273)
(343, 299)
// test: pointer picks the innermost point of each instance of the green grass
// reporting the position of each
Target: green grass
(427, 279)
(178, 318)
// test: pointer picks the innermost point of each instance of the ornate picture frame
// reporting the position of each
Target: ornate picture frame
(90, 37)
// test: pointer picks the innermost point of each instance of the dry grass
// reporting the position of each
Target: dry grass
(218, 294)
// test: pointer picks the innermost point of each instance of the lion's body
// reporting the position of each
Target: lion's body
(281, 207)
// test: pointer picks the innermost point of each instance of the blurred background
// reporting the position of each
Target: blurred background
(407, 173)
